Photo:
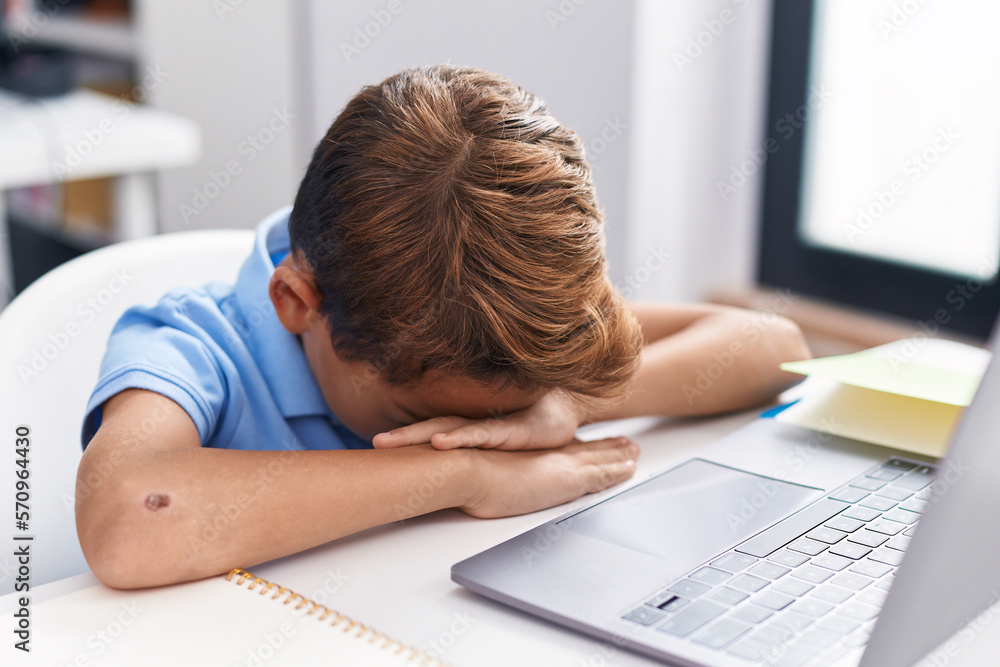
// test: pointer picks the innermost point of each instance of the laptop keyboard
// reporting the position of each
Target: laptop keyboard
(806, 590)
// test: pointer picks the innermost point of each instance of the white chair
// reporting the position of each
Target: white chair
(52, 339)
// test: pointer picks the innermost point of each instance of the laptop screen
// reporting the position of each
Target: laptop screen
(950, 574)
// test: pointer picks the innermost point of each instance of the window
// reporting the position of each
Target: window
(883, 158)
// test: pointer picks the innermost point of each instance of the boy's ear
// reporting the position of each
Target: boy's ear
(294, 296)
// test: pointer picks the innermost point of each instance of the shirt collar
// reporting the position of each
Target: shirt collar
(278, 353)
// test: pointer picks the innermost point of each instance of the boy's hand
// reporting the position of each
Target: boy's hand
(510, 483)
(550, 422)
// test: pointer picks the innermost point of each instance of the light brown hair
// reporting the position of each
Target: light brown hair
(451, 224)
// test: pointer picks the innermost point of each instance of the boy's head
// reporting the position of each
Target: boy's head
(449, 227)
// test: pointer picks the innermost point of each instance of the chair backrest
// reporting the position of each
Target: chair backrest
(52, 339)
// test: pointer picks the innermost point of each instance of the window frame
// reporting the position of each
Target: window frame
(963, 305)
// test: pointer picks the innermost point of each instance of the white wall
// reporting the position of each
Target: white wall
(698, 108)
(228, 64)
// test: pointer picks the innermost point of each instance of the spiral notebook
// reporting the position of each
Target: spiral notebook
(233, 620)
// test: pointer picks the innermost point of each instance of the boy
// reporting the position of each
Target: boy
(434, 308)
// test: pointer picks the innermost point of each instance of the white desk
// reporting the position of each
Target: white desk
(396, 578)
(86, 135)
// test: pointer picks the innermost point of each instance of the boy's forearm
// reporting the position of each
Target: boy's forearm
(191, 513)
(719, 361)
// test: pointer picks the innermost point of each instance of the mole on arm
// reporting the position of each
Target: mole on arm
(155, 501)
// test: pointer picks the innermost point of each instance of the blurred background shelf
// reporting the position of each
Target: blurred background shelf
(77, 137)
(105, 36)
(79, 170)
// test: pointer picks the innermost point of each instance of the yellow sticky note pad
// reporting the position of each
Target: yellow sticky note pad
(883, 418)
(932, 370)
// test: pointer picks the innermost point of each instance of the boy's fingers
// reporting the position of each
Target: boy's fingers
(599, 477)
(609, 449)
(611, 461)
(417, 434)
(485, 434)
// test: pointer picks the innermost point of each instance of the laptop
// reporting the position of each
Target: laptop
(777, 545)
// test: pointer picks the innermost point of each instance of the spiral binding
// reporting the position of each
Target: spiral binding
(346, 624)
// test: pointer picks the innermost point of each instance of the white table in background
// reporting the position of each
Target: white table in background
(84, 135)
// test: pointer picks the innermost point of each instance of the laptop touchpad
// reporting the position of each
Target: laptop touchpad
(692, 512)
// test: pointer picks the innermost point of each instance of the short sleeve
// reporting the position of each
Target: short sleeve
(169, 348)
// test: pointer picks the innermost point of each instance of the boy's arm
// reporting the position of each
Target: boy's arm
(154, 507)
(697, 359)
(701, 359)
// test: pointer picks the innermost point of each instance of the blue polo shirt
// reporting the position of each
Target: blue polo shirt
(220, 353)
